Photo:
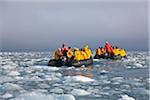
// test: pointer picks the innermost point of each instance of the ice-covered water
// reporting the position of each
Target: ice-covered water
(26, 76)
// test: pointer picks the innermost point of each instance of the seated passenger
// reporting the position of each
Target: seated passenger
(69, 53)
(88, 52)
(64, 49)
(58, 54)
(98, 51)
(116, 51)
(83, 54)
(77, 54)
(122, 52)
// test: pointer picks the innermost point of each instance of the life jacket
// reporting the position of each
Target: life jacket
(122, 53)
(98, 51)
(84, 55)
(69, 53)
(77, 55)
(88, 52)
(116, 52)
(103, 50)
(81, 56)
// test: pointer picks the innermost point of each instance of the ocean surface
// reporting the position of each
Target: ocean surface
(26, 76)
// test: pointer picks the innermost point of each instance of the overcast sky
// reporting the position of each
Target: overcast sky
(43, 26)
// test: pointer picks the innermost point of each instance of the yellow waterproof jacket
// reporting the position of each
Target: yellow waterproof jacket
(58, 55)
(77, 55)
(84, 55)
(103, 51)
(88, 52)
(81, 56)
(122, 53)
(69, 53)
(98, 51)
(116, 51)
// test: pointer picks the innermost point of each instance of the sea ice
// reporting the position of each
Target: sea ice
(138, 65)
(11, 86)
(7, 95)
(14, 73)
(79, 92)
(126, 97)
(56, 90)
(41, 96)
(78, 79)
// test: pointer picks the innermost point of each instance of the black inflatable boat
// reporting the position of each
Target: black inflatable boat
(58, 63)
(107, 57)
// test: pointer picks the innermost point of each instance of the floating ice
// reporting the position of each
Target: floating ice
(117, 79)
(40, 96)
(79, 92)
(8, 67)
(14, 73)
(126, 97)
(56, 90)
(43, 86)
(11, 86)
(79, 79)
(104, 71)
(142, 91)
(7, 95)
(138, 65)
(5, 79)
(46, 67)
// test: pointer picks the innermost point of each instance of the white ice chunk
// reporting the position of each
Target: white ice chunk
(138, 65)
(7, 95)
(8, 67)
(40, 96)
(14, 73)
(46, 67)
(126, 97)
(78, 79)
(56, 90)
(117, 79)
(11, 86)
(79, 92)
(96, 59)
(142, 91)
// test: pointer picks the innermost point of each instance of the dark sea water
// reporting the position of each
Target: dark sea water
(26, 76)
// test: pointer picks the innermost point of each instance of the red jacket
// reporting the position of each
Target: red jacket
(65, 48)
(108, 48)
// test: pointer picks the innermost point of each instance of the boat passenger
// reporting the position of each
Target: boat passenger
(122, 53)
(64, 49)
(77, 54)
(58, 54)
(116, 51)
(88, 52)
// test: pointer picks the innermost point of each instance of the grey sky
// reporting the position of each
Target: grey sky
(46, 25)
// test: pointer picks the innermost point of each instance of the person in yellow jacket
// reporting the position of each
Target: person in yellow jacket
(83, 54)
(58, 54)
(88, 51)
(69, 53)
(103, 51)
(122, 53)
(77, 54)
(116, 51)
(98, 51)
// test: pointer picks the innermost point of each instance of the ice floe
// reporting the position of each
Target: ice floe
(14, 73)
(41, 96)
(79, 92)
(78, 79)
(126, 97)
(7, 96)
